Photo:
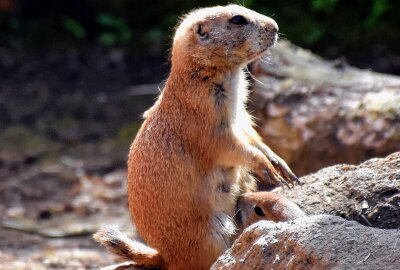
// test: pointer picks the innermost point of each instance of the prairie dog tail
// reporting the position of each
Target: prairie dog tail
(126, 249)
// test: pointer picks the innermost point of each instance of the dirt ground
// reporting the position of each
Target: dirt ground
(49, 212)
(50, 206)
(66, 121)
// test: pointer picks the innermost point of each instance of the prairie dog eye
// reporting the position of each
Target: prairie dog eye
(259, 211)
(201, 31)
(238, 20)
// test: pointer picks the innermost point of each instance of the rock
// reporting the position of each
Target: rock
(368, 193)
(316, 113)
(123, 266)
(316, 242)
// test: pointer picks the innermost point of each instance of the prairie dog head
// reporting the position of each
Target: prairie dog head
(224, 36)
(256, 206)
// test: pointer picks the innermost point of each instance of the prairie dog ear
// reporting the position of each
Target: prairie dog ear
(202, 30)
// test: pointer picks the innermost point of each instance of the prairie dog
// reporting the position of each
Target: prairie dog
(193, 155)
(256, 206)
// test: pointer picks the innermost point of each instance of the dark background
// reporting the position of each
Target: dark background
(357, 29)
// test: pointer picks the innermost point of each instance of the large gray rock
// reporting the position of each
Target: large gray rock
(316, 242)
(368, 193)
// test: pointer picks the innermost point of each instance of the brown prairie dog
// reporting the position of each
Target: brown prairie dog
(256, 206)
(192, 156)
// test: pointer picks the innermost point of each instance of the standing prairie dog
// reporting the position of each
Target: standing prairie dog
(193, 155)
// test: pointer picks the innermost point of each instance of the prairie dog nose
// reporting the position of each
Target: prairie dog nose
(271, 26)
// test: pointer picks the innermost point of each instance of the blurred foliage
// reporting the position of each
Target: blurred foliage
(74, 27)
(115, 30)
(147, 25)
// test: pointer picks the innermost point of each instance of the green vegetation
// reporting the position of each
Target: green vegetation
(147, 25)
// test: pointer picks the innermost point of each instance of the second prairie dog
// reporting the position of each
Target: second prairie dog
(192, 156)
(256, 206)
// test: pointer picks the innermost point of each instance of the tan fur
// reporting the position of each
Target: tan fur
(271, 206)
(119, 244)
(192, 156)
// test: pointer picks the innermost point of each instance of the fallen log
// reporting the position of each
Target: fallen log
(316, 113)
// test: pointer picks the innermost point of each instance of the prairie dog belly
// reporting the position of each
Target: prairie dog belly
(224, 188)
